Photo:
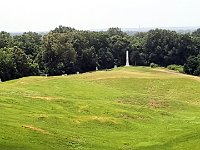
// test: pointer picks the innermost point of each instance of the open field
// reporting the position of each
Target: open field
(129, 108)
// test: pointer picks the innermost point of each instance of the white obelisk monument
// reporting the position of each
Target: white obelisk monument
(127, 59)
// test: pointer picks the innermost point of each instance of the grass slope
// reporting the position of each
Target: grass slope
(131, 108)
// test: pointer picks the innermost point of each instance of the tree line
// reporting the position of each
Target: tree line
(66, 50)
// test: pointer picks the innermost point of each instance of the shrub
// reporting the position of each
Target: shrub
(153, 65)
(178, 68)
(192, 65)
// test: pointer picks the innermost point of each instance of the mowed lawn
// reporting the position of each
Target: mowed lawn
(128, 108)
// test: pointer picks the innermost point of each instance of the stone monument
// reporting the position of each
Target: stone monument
(127, 59)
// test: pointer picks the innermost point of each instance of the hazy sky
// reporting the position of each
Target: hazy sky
(44, 15)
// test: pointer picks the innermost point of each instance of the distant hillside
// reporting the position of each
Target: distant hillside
(132, 31)
(20, 33)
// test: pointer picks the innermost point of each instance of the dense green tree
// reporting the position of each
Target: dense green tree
(105, 58)
(118, 47)
(196, 41)
(7, 65)
(192, 65)
(89, 60)
(185, 48)
(29, 42)
(196, 33)
(22, 62)
(63, 29)
(59, 56)
(115, 31)
(138, 55)
(5, 39)
(135, 58)
(66, 50)
(14, 63)
(166, 47)
(99, 40)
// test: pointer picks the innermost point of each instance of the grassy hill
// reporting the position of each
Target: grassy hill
(130, 108)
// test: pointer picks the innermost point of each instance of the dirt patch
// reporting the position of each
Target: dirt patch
(42, 97)
(35, 129)
(157, 104)
(132, 117)
(194, 102)
(129, 102)
(100, 119)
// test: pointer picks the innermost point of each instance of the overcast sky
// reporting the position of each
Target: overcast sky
(44, 15)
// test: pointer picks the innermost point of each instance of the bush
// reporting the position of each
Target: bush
(178, 68)
(153, 65)
(192, 65)
(197, 72)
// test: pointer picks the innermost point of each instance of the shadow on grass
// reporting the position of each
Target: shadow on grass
(8, 146)
(168, 145)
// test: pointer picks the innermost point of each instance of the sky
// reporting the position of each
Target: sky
(45, 15)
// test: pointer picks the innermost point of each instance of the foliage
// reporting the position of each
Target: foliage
(59, 56)
(153, 65)
(166, 47)
(29, 42)
(178, 68)
(66, 50)
(192, 66)
(115, 31)
(5, 39)
(14, 63)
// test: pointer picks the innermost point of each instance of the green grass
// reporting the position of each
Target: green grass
(129, 108)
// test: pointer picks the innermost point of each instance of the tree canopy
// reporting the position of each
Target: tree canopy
(66, 50)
